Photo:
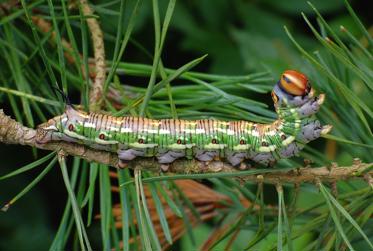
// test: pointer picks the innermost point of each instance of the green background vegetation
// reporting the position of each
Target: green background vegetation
(240, 38)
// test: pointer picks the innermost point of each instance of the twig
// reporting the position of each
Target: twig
(12, 132)
(99, 72)
(45, 26)
(95, 95)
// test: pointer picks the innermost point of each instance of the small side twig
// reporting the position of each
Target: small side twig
(46, 27)
(12, 132)
(95, 95)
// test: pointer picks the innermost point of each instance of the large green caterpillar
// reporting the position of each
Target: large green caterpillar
(206, 139)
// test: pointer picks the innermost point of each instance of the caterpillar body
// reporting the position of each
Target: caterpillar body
(205, 139)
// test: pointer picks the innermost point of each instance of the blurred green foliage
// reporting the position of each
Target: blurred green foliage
(240, 37)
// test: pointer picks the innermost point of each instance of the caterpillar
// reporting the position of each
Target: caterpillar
(204, 139)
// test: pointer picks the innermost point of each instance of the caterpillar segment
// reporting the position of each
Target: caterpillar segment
(205, 139)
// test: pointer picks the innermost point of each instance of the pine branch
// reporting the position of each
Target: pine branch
(12, 132)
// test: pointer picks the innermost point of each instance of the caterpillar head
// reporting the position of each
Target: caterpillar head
(292, 90)
(294, 83)
(69, 124)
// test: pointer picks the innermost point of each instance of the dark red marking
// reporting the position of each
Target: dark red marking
(214, 141)
(178, 141)
(71, 127)
(242, 142)
(101, 136)
(141, 141)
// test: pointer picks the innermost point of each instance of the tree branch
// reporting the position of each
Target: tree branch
(95, 95)
(12, 132)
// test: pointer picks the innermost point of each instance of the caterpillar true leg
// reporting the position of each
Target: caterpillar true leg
(311, 107)
(310, 130)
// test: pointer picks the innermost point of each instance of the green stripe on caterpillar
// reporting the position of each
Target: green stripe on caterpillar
(206, 139)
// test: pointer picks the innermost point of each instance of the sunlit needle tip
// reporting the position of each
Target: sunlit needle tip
(5, 208)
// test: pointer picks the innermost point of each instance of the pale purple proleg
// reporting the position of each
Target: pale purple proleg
(203, 155)
(235, 159)
(265, 158)
(130, 154)
(170, 156)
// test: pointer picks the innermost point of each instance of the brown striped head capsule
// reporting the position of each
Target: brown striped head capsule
(295, 83)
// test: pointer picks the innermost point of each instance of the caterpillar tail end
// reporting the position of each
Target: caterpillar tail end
(326, 129)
